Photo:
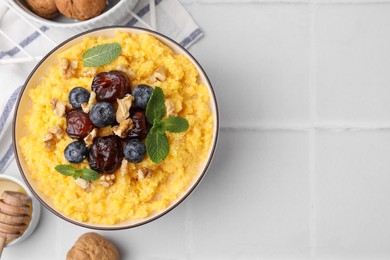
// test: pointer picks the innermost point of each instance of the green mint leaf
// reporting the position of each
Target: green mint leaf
(102, 54)
(157, 145)
(175, 124)
(77, 174)
(155, 108)
(159, 127)
(66, 170)
(89, 175)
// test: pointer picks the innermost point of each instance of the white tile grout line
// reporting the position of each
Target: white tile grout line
(312, 132)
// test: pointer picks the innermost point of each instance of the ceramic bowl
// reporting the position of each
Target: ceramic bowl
(36, 210)
(24, 103)
(115, 13)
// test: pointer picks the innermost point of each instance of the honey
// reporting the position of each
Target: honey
(9, 185)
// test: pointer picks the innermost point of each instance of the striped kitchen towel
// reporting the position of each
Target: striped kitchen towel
(171, 19)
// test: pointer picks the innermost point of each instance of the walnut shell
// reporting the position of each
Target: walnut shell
(92, 246)
(44, 8)
(81, 9)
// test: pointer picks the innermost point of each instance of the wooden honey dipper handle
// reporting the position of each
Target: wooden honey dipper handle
(14, 210)
(2, 243)
(16, 198)
(3, 239)
(15, 215)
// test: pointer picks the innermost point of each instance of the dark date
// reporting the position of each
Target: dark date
(78, 124)
(111, 85)
(105, 154)
(141, 124)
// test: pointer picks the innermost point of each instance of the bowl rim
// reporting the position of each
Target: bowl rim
(163, 212)
(48, 22)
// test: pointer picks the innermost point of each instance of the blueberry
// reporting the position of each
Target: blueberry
(141, 95)
(77, 96)
(76, 152)
(102, 114)
(134, 151)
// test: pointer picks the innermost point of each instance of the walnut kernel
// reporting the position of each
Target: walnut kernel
(124, 128)
(89, 138)
(68, 68)
(59, 107)
(87, 106)
(159, 74)
(123, 111)
(144, 172)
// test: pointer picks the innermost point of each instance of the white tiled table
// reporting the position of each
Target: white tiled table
(302, 169)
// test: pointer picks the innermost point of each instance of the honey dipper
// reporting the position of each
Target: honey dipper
(15, 215)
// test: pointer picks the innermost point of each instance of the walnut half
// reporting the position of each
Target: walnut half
(44, 8)
(81, 9)
(69, 68)
(93, 246)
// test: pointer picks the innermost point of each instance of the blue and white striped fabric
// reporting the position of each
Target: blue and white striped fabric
(172, 20)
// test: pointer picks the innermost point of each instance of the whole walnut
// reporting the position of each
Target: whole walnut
(92, 246)
(81, 9)
(44, 8)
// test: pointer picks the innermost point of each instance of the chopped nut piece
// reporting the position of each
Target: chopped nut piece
(64, 63)
(170, 107)
(130, 73)
(87, 106)
(89, 72)
(85, 185)
(48, 136)
(104, 131)
(123, 111)
(57, 131)
(144, 172)
(59, 107)
(68, 68)
(123, 170)
(50, 145)
(89, 138)
(159, 74)
(107, 180)
(124, 128)
(51, 137)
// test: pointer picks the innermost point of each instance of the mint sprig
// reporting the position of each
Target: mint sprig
(155, 108)
(175, 124)
(86, 174)
(157, 144)
(102, 54)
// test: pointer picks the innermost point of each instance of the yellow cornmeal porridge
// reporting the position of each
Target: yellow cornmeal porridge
(129, 197)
